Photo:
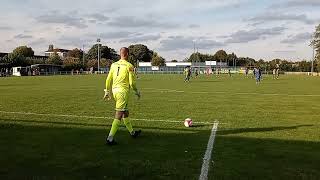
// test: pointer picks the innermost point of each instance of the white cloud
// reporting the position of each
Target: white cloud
(244, 36)
(134, 22)
(23, 36)
(276, 16)
(297, 3)
(56, 17)
(174, 43)
(298, 38)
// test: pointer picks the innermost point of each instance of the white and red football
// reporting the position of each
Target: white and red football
(188, 122)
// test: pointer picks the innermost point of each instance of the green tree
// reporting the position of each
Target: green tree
(92, 63)
(24, 51)
(304, 66)
(70, 63)
(232, 58)
(106, 53)
(16, 59)
(220, 55)
(246, 61)
(18, 56)
(286, 66)
(75, 53)
(157, 60)
(316, 43)
(195, 57)
(34, 60)
(198, 57)
(54, 59)
(104, 63)
(260, 63)
(274, 62)
(139, 52)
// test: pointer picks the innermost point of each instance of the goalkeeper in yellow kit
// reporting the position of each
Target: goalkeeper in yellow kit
(120, 80)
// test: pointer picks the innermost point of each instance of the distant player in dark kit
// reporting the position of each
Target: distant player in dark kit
(196, 72)
(260, 73)
(257, 75)
(190, 72)
(247, 72)
(229, 72)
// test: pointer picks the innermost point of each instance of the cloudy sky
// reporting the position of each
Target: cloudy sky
(256, 28)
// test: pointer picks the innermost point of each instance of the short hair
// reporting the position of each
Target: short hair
(124, 49)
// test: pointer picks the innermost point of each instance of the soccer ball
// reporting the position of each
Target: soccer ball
(188, 122)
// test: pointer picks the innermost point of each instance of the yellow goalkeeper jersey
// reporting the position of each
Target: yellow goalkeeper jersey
(121, 76)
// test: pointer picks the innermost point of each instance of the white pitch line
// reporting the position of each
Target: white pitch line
(207, 155)
(98, 117)
(220, 92)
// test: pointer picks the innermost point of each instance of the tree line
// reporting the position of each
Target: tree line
(232, 60)
(77, 59)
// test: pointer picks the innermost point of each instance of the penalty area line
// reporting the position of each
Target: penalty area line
(208, 153)
(98, 117)
(155, 90)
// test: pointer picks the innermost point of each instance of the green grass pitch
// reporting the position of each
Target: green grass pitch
(266, 131)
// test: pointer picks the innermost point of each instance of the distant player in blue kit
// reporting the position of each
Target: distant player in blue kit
(257, 75)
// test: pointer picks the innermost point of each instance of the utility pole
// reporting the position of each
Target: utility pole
(98, 41)
(233, 61)
(198, 58)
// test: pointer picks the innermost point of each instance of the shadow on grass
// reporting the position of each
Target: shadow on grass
(204, 81)
(255, 158)
(247, 130)
(46, 151)
(103, 125)
(200, 125)
(63, 123)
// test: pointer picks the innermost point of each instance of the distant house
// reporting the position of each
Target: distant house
(40, 57)
(180, 66)
(61, 52)
(46, 68)
(3, 54)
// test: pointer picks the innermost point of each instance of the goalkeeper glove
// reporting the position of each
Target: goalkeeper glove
(106, 95)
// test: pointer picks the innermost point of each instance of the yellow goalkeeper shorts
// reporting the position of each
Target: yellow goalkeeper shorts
(121, 98)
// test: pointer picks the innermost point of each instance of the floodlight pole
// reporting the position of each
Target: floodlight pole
(198, 58)
(98, 41)
(233, 61)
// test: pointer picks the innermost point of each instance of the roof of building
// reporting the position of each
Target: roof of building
(58, 50)
(3, 54)
(40, 56)
(46, 65)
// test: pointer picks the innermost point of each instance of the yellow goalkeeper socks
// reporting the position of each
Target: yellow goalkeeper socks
(115, 125)
(128, 124)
